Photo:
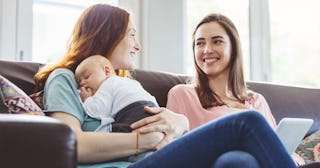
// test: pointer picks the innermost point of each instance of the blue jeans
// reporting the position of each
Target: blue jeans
(244, 131)
(235, 159)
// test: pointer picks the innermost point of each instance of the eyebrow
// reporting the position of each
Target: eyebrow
(214, 37)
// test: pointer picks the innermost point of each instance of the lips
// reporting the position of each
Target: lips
(132, 54)
(210, 60)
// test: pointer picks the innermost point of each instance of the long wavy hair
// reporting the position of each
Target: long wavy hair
(207, 96)
(98, 31)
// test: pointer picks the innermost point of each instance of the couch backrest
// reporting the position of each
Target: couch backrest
(284, 101)
(20, 73)
(290, 101)
(159, 83)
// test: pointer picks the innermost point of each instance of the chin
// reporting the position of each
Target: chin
(129, 66)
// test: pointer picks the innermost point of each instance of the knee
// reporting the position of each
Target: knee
(251, 117)
(252, 114)
(236, 159)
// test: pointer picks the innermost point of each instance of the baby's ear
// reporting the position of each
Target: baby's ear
(107, 70)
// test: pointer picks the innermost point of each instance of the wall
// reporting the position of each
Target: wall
(162, 35)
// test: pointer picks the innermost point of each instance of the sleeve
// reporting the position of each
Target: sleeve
(61, 94)
(262, 106)
(99, 105)
(173, 102)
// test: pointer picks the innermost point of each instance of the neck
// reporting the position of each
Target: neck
(220, 85)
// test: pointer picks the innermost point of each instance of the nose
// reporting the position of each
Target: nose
(137, 45)
(208, 49)
(82, 83)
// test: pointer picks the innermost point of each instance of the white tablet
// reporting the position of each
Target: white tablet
(292, 130)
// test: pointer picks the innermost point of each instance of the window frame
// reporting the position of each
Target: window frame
(259, 29)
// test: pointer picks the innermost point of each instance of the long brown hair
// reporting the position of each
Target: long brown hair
(98, 31)
(207, 96)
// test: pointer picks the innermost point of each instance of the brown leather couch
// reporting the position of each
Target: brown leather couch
(40, 141)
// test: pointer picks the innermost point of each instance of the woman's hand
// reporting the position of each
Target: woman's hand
(173, 125)
(149, 141)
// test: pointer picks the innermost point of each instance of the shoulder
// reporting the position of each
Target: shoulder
(61, 77)
(61, 73)
(255, 97)
(182, 88)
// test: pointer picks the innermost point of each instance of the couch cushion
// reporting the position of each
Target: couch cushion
(14, 100)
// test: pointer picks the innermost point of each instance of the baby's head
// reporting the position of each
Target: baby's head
(92, 71)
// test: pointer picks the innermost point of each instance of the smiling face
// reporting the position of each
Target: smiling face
(123, 55)
(212, 49)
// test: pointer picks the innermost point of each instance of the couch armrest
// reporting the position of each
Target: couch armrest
(36, 141)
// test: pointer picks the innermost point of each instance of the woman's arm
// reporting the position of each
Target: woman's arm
(99, 147)
(173, 125)
(62, 102)
(260, 104)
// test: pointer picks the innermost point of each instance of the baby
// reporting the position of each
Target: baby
(116, 101)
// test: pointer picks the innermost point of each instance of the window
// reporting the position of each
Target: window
(295, 53)
(53, 21)
(237, 11)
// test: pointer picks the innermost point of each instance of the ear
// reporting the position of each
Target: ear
(107, 70)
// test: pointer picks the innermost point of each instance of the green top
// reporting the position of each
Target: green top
(61, 94)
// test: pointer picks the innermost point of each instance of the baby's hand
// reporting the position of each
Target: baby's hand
(149, 141)
(85, 93)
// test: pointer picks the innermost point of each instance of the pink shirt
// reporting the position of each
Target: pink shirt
(184, 99)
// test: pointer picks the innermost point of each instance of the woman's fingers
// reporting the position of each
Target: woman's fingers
(144, 122)
(154, 127)
(166, 140)
(173, 125)
(153, 110)
(148, 120)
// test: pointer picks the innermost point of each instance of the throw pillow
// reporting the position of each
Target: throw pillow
(15, 100)
(309, 149)
(37, 98)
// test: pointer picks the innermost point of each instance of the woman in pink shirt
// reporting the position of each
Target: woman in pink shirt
(219, 87)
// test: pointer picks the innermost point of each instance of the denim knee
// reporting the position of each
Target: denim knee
(237, 159)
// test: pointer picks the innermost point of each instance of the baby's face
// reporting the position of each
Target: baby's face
(90, 77)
